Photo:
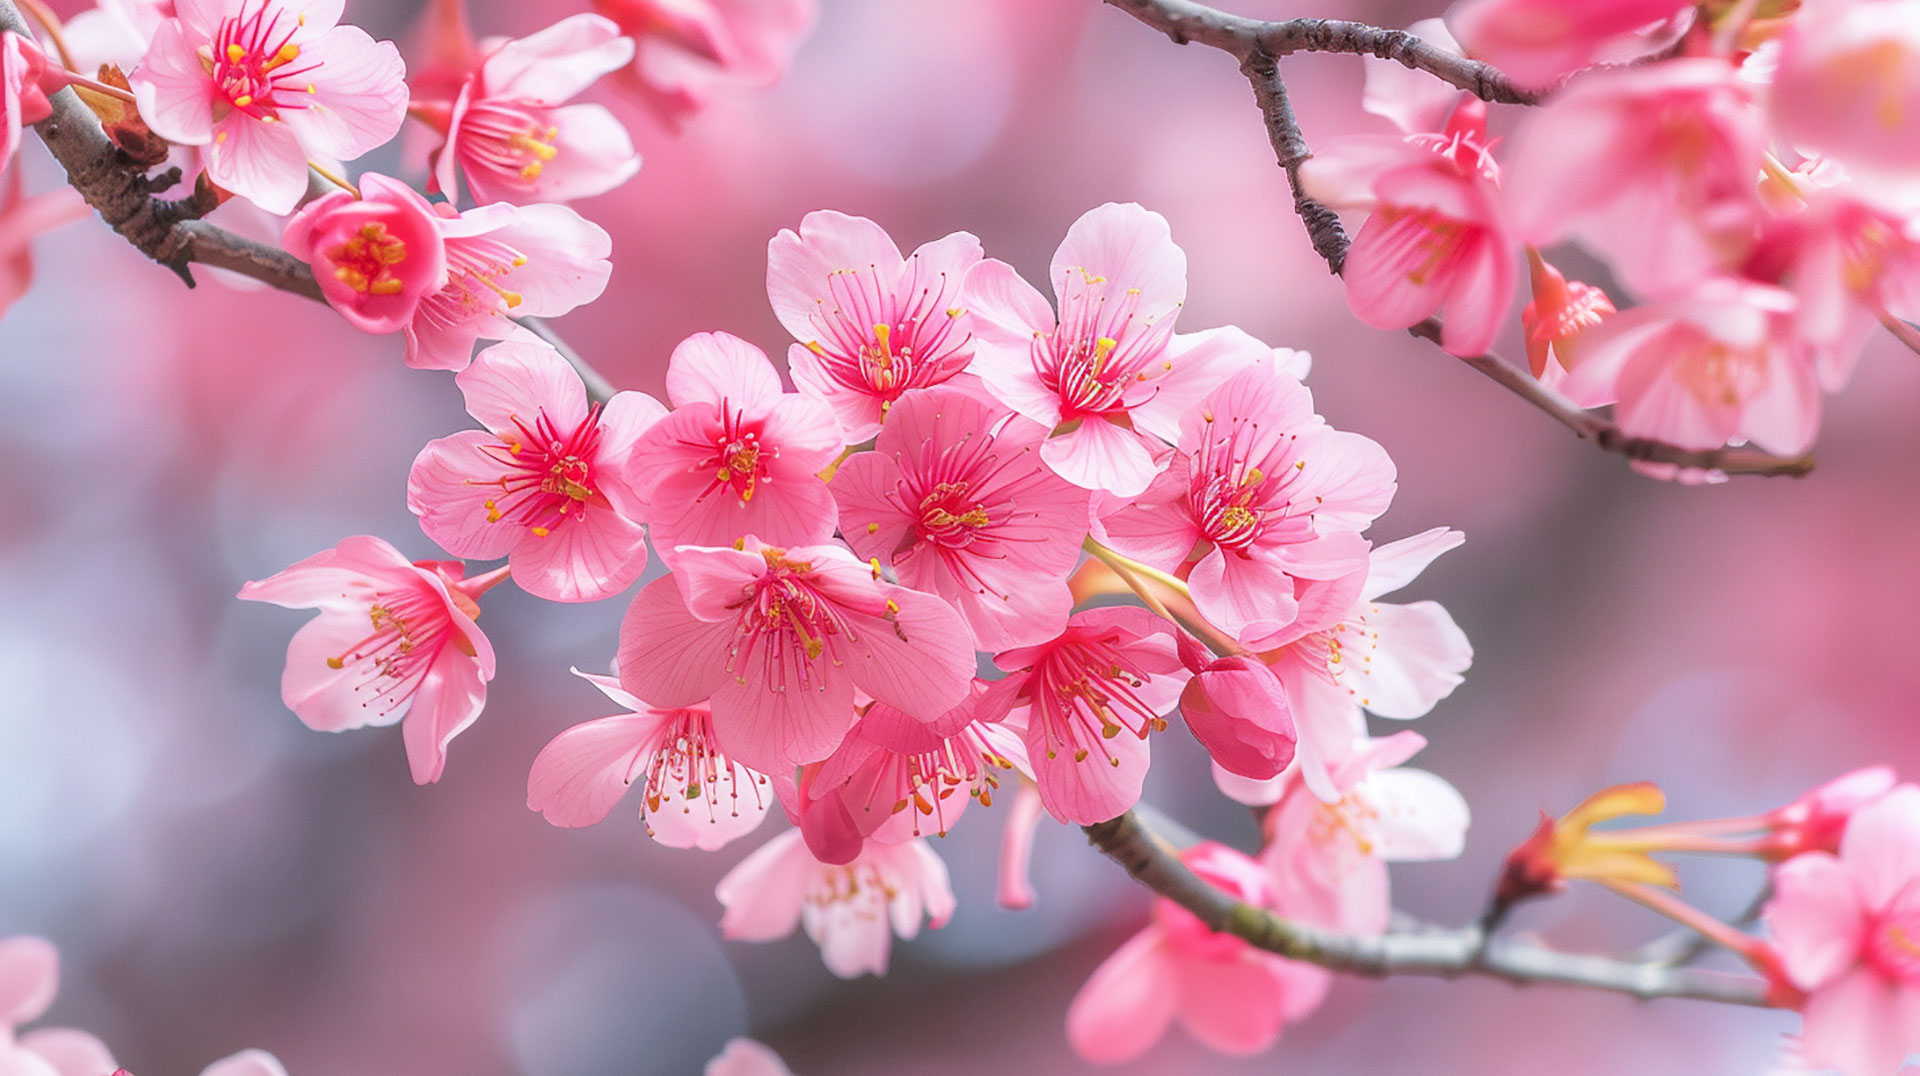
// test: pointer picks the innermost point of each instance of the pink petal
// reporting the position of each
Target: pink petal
(1419, 816)
(1882, 846)
(1240, 714)
(763, 895)
(71, 1052)
(712, 367)
(773, 725)
(623, 422)
(1417, 660)
(1100, 455)
(1396, 564)
(714, 580)
(578, 777)
(450, 487)
(1107, 782)
(261, 162)
(1126, 1005)
(1817, 919)
(247, 1063)
(667, 656)
(566, 259)
(1016, 847)
(450, 698)
(1234, 591)
(520, 379)
(1862, 1024)
(173, 92)
(327, 699)
(745, 1057)
(29, 978)
(584, 559)
(558, 62)
(1414, 101)
(1202, 362)
(1342, 174)
(829, 242)
(1235, 1006)
(725, 809)
(1133, 248)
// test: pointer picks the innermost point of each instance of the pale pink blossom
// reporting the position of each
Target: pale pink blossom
(509, 131)
(871, 324)
(1412, 100)
(23, 219)
(1108, 377)
(1847, 930)
(395, 640)
(1234, 998)
(686, 49)
(1656, 167)
(1260, 494)
(266, 84)
(1086, 701)
(745, 1057)
(955, 499)
(375, 257)
(695, 796)
(1721, 363)
(29, 979)
(1538, 42)
(851, 911)
(545, 484)
(1437, 237)
(23, 91)
(737, 455)
(780, 638)
(1847, 85)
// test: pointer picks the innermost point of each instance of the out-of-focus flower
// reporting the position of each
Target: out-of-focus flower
(23, 98)
(851, 911)
(1086, 702)
(1847, 85)
(954, 498)
(1561, 310)
(1655, 167)
(247, 1063)
(871, 325)
(1264, 494)
(510, 133)
(394, 640)
(115, 32)
(1817, 821)
(737, 455)
(1234, 998)
(1016, 846)
(780, 638)
(264, 85)
(1413, 101)
(1438, 237)
(1108, 376)
(1847, 931)
(1723, 362)
(696, 797)
(688, 48)
(1538, 42)
(545, 484)
(1563, 848)
(745, 1057)
(29, 979)
(375, 257)
(22, 219)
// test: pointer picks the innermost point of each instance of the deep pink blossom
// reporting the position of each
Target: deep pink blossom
(29, 979)
(696, 797)
(1260, 494)
(266, 84)
(688, 48)
(1108, 377)
(394, 640)
(955, 499)
(23, 219)
(780, 638)
(1086, 701)
(1237, 709)
(23, 94)
(1557, 318)
(851, 911)
(1437, 237)
(545, 484)
(1654, 166)
(1847, 930)
(1537, 42)
(375, 257)
(509, 131)
(737, 456)
(1847, 85)
(1231, 996)
(871, 324)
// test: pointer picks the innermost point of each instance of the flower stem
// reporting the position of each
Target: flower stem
(50, 22)
(1746, 945)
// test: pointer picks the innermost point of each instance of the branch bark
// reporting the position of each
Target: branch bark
(1432, 953)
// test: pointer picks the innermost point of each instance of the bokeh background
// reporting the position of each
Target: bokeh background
(218, 876)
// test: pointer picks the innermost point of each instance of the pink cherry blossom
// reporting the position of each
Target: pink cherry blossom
(780, 638)
(375, 257)
(1559, 315)
(745, 1057)
(394, 640)
(1414, 101)
(1538, 42)
(266, 84)
(1260, 494)
(1846, 928)
(696, 797)
(688, 48)
(1232, 997)
(1721, 363)
(1847, 85)
(23, 219)
(1437, 237)
(29, 979)
(871, 324)
(1086, 701)
(1655, 167)
(737, 456)
(1238, 711)
(1109, 376)
(851, 911)
(545, 484)
(1817, 820)
(510, 133)
(23, 95)
(955, 499)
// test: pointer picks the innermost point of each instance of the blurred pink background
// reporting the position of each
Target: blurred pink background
(217, 876)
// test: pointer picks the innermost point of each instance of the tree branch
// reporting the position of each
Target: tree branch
(1435, 953)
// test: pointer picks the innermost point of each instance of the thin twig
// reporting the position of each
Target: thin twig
(1436, 953)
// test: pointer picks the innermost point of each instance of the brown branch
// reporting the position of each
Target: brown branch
(1433, 953)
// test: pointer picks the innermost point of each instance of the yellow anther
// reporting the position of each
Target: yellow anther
(335, 663)
(235, 54)
(541, 532)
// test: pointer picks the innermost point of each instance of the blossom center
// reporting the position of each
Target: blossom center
(881, 340)
(1088, 692)
(509, 140)
(365, 262)
(688, 765)
(252, 61)
(407, 631)
(1893, 942)
(1236, 502)
(1103, 347)
(546, 474)
(1718, 375)
(949, 517)
(479, 262)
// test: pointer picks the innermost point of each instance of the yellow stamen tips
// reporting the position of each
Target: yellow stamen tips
(541, 532)
(1102, 348)
(220, 136)
(814, 346)
(288, 53)
(493, 512)
(235, 54)
(243, 100)
(1133, 291)
(1254, 477)
(519, 261)
(336, 663)
(873, 528)
(311, 88)
(954, 311)
(873, 563)
(893, 607)
(511, 298)
(268, 119)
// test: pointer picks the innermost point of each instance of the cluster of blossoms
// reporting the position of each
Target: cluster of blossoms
(1748, 178)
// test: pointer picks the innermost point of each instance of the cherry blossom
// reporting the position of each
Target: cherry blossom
(780, 638)
(23, 93)
(375, 257)
(23, 219)
(1559, 315)
(737, 456)
(1847, 85)
(851, 911)
(266, 84)
(871, 324)
(1232, 997)
(1537, 42)
(955, 499)
(1845, 927)
(686, 49)
(1817, 820)
(1236, 708)
(395, 641)
(29, 979)
(1108, 377)
(696, 797)
(545, 484)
